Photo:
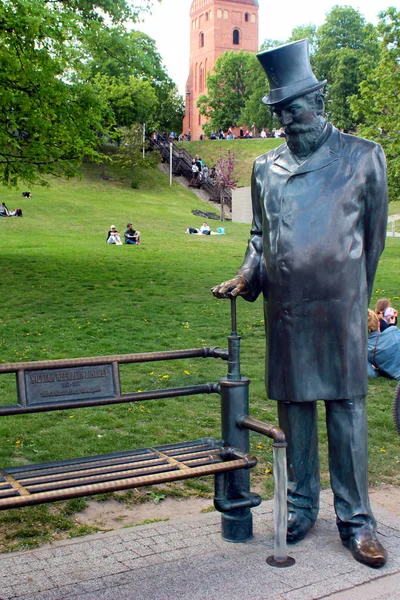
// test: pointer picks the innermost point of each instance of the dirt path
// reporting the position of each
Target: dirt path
(110, 515)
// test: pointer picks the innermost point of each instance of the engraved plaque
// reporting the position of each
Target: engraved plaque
(71, 384)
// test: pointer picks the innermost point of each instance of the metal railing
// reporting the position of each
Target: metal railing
(182, 166)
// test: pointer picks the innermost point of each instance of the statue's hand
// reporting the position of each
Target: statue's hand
(232, 288)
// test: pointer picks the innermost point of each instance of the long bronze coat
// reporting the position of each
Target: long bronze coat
(318, 231)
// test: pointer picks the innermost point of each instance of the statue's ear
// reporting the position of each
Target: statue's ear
(320, 104)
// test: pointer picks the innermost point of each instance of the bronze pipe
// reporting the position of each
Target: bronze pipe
(206, 352)
(206, 388)
(271, 431)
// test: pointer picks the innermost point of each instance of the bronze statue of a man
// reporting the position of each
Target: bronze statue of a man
(319, 227)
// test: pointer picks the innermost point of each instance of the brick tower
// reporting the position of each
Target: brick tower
(215, 27)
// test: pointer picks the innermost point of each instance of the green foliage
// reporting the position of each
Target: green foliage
(131, 101)
(132, 151)
(268, 44)
(171, 111)
(49, 116)
(346, 48)
(70, 72)
(305, 31)
(254, 110)
(377, 107)
(228, 88)
(120, 57)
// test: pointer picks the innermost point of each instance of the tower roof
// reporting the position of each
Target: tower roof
(251, 2)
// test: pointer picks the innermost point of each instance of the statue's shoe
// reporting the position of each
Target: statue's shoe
(366, 548)
(298, 525)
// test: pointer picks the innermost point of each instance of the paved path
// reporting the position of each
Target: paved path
(186, 559)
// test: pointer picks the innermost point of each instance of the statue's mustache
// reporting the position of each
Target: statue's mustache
(299, 128)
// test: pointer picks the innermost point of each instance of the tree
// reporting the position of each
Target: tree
(51, 115)
(133, 152)
(131, 101)
(228, 88)
(305, 31)
(268, 44)
(225, 179)
(171, 110)
(377, 106)
(254, 110)
(346, 49)
(122, 55)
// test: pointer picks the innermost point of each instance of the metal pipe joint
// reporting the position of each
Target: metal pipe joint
(271, 431)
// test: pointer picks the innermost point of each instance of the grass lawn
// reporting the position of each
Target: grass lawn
(66, 293)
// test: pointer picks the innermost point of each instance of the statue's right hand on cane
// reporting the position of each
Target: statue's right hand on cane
(237, 286)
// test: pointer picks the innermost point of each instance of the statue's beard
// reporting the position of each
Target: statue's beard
(302, 138)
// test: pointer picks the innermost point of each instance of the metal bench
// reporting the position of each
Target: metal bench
(84, 382)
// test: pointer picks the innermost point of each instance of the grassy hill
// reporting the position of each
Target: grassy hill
(245, 151)
(66, 293)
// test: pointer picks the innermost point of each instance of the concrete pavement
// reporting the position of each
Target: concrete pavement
(186, 559)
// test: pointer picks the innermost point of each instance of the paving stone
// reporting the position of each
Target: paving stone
(318, 589)
(188, 560)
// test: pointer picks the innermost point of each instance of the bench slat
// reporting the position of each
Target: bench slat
(37, 484)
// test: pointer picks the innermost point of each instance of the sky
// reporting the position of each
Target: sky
(169, 25)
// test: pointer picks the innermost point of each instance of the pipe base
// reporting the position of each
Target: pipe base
(237, 529)
(286, 562)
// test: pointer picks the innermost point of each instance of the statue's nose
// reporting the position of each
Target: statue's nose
(285, 118)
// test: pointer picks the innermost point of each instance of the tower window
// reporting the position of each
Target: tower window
(219, 14)
(226, 14)
(201, 40)
(206, 16)
(201, 78)
(246, 17)
(236, 36)
(253, 18)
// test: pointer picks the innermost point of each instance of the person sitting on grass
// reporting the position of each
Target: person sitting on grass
(113, 236)
(383, 348)
(131, 235)
(205, 229)
(381, 306)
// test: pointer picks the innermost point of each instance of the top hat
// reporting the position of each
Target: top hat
(289, 72)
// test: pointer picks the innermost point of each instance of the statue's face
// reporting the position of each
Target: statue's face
(303, 121)
(296, 116)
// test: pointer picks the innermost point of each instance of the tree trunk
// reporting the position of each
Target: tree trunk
(221, 200)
